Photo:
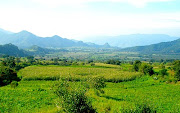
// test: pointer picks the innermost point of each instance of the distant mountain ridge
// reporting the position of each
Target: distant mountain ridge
(12, 50)
(25, 39)
(163, 47)
(132, 40)
(5, 31)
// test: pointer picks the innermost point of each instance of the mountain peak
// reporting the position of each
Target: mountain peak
(106, 45)
(26, 33)
(56, 36)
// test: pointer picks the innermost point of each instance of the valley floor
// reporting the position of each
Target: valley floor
(141, 92)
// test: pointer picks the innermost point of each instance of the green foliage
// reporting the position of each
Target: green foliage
(146, 69)
(140, 108)
(163, 72)
(73, 100)
(30, 59)
(136, 65)
(98, 83)
(9, 62)
(28, 97)
(92, 64)
(115, 62)
(176, 68)
(142, 94)
(7, 75)
(14, 84)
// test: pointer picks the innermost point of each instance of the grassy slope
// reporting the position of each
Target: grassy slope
(127, 95)
(37, 96)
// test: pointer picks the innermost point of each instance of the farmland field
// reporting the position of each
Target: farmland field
(76, 73)
(126, 91)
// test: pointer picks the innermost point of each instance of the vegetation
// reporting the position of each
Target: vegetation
(73, 100)
(12, 50)
(76, 73)
(7, 75)
(62, 85)
(177, 69)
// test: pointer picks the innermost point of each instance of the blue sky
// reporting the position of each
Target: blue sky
(77, 19)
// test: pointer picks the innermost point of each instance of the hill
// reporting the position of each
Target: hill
(25, 39)
(12, 50)
(164, 47)
(124, 41)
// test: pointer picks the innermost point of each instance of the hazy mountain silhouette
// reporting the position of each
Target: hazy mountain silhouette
(12, 50)
(163, 47)
(124, 41)
(25, 39)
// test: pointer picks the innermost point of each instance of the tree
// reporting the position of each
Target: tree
(136, 65)
(176, 68)
(147, 69)
(163, 70)
(7, 75)
(9, 62)
(30, 59)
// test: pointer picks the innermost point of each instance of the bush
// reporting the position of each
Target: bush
(136, 65)
(73, 100)
(7, 75)
(146, 69)
(176, 68)
(163, 72)
(14, 84)
(98, 83)
(92, 64)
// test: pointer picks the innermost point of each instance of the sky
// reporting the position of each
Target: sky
(79, 19)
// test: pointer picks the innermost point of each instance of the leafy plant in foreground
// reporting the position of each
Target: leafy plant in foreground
(73, 100)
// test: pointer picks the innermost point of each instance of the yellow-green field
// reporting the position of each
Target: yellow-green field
(76, 73)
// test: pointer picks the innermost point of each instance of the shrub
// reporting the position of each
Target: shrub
(73, 100)
(14, 84)
(92, 64)
(146, 69)
(176, 68)
(163, 72)
(136, 65)
(98, 83)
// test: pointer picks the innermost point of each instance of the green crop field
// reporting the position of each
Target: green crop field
(125, 92)
(127, 96)
(28, 97)
(76, 73)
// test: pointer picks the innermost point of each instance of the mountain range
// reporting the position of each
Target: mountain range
(160, 48)
(132, 40)
(39, 45)
(25, 39)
